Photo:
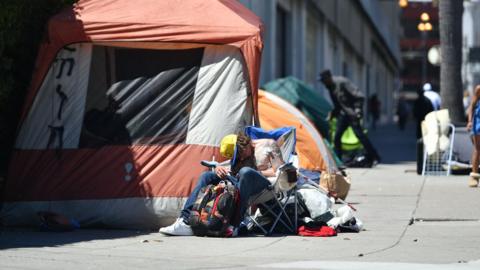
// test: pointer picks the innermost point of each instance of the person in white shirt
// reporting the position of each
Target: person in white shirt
(433, 96)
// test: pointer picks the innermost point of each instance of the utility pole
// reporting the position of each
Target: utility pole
(424, 27)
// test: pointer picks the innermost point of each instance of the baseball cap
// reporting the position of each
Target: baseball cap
(324, 74)
(427, 87)
(228, 146)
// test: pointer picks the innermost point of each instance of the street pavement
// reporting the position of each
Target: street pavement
(410, 222)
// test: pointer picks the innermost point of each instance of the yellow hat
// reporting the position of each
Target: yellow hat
(227, 145)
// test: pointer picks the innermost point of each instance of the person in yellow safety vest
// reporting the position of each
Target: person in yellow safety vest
(348, 102)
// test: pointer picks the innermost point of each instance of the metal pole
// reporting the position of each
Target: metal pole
(424, 56)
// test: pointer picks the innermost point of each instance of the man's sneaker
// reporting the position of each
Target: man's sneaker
(178, 228)
(231, 231)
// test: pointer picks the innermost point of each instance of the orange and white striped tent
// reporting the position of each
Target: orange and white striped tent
(313, 154)
(126, 99)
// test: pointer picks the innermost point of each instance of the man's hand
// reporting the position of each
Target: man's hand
(222, 172)
(329, 116)
(268, 172)
(358, 113)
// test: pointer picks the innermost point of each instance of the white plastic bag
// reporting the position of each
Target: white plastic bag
(316, 201)
(343, 218)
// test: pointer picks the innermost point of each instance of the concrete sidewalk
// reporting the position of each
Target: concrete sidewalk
(411, 222)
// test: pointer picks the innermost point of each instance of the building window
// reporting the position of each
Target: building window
(311, 59)
(281, 43)
(346, 70)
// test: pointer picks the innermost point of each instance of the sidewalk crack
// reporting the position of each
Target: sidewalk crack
(410, 222)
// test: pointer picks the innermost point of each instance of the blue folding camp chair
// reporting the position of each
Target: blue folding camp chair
(277, 195)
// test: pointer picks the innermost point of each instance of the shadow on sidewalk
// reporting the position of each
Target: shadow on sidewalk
(394, 145)
(11, 238)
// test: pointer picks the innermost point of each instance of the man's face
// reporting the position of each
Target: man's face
(327, 81)
(247, 152)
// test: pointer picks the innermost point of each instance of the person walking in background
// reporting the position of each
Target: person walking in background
(373, 110)
(433, 96)
(474, 125)
(403, 110)
(347, 108)
(421, 107)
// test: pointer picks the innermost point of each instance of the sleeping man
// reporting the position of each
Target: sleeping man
(253, 163)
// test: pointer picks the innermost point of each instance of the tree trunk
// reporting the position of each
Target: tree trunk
(451, 88)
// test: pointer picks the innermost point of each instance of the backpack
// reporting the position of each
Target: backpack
(214, 210)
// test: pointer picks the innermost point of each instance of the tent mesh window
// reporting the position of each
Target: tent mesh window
(139, 96)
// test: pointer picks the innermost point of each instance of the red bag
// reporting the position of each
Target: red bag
(323, 231)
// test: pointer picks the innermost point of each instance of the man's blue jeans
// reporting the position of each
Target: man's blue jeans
(250, 182)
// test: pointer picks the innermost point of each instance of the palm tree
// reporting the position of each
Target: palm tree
(451, 89)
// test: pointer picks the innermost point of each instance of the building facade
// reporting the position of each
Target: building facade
(358, 39)
(415, 45)
(471, 45)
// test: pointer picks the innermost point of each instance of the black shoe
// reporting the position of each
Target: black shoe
(376, 160)
(359, 161)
